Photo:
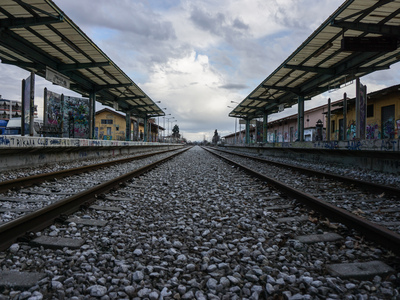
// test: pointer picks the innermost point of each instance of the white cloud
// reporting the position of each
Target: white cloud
(190, 86)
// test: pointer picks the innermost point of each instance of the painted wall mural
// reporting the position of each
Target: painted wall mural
(351, 130)
(69, 114)
(373, 132)
(388, 129)
(76, 117)
(398, 128)
(53, 109)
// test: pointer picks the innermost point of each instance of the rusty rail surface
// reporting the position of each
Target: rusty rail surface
(372, 231)
(37, 220)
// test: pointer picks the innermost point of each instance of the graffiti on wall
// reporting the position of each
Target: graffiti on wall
(335, 135)
(354, 145)
(53, 109)
(388, 129)
(70, 114)
(76, 111)
(373, 132)
(351, 130)
(398, 128)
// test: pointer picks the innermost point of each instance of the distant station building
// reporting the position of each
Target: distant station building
(111, 125)
(382, 116)
(382, 121)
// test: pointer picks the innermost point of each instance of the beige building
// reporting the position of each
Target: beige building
(382, 121)
(111, 125)
(382, 116)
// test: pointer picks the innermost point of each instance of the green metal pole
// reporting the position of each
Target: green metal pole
(128, 126)
(247, 131)
(92, 112)
(300, 119)
(145, 119)
(265, 128)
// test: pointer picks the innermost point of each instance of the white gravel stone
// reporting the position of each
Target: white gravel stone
(14, 248)
(97, 290)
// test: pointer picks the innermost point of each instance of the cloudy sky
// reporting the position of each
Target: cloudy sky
(198, 56)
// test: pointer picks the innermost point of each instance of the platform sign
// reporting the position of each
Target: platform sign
(57, 78)
(252, 122)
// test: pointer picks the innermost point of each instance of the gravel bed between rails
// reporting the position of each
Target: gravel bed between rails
(379, 208)
(197, 228)
(341, 169)
(53, 167)
(35, 197)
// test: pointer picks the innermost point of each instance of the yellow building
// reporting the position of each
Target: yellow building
(111, 125)
(382, 116)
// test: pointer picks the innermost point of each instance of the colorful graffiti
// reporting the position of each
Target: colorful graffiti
(354, 145)
(53, 109)
(335, 135)
(398, 128)
(76, 117)
(68, 113)
(388, 130)
(372, 131)
(351, 130)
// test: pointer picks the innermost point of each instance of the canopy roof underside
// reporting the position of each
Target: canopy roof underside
(36, 35)
(321, 64)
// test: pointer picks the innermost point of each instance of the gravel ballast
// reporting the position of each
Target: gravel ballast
(197, 228)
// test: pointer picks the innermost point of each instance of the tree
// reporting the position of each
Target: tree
(215, 138)
(175, 132)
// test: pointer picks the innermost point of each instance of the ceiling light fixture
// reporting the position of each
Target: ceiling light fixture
(323, 49)
(71, 45)
(109, 75)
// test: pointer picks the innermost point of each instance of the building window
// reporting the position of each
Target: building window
(333, 126)
(117, 128)
(370, 111)
(106, 121)
(108, 130)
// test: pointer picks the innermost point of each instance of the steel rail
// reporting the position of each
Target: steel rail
(37, 220)
(365, 184)
(35, 179)
(372, 231)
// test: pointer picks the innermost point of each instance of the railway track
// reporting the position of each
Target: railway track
(195, 227)
(25, 181)
(337, 197)
(49, 198)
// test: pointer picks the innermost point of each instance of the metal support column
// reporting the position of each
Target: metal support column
(145, 119)
(328, 122)
(344, 117)
(31, 103)
(92, 112)
(128, 126)
(265, 128)
(357, 108)
(300, 119)
(137, 129)
(247, 132)
(235, 141)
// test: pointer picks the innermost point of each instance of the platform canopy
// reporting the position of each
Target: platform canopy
(37, 36)
(360, 37)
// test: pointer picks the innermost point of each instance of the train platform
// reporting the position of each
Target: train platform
(26, 151)
(379, 155)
